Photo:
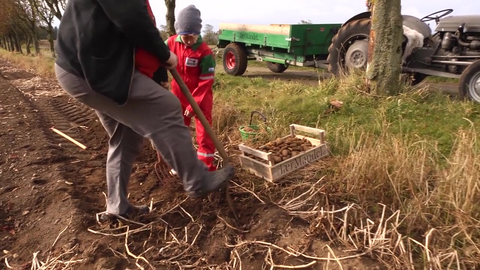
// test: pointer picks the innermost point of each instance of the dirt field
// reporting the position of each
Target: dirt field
(51, 190)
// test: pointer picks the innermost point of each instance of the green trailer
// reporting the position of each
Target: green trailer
(280, 45)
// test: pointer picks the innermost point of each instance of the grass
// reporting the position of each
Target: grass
(435, 79)
(414, 114)
(264, 64)
(41, 64)
(417, 153)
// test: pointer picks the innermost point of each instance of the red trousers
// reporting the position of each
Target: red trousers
(206, 148)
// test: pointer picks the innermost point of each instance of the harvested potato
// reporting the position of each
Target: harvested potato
(284, 148)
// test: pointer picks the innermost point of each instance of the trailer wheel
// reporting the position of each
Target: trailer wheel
(276, 67)
(469, 83)
(234, 59)
(349, 47)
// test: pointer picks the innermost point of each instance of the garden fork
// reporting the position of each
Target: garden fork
(163, 168)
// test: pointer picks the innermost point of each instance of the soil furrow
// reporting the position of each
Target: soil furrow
(38, 181)
(45, 190)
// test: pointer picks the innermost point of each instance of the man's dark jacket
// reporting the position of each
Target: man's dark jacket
(97, 39)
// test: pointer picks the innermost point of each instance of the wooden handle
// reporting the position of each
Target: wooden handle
(200, 115)
(210, 133)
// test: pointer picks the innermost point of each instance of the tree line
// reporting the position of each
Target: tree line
(26, 22)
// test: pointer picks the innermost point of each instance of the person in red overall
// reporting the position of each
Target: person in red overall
(196, 66)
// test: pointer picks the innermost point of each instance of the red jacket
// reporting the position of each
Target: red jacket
(144, 61)
(196, 66)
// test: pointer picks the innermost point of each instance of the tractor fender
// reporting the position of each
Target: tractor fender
(359, 16)
(415, 23)
(408, 20)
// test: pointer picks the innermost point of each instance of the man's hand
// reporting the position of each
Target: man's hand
(172, 62)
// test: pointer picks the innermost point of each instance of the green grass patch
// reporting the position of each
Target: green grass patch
(435, 79)
(417, 114)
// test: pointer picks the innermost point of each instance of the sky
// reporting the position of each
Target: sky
(267, 12)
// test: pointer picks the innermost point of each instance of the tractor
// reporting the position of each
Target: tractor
(451, 51)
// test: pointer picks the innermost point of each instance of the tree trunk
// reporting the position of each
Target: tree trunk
(29, 42)
(49, 30)
(33, 27)
(385, 50)
(170, 17)
(18, 46)
(10, 43)
(36, 44)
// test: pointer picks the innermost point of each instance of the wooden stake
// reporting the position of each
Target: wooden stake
(68, 138)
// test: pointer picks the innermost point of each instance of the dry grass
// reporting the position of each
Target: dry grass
(436, 201)
(225, 119)
(41, 65)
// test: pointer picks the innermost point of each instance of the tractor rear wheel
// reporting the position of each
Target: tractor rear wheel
(469, 83)
(276, 67)
(349, 47)
(235, 59)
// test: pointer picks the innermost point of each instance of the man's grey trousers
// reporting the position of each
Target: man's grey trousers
(151, 112)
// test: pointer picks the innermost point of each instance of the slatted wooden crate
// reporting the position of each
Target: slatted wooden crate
(273, 172)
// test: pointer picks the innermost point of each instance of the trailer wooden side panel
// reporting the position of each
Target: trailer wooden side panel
(297, 40)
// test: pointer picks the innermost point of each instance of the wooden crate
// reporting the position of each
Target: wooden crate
(273, 172)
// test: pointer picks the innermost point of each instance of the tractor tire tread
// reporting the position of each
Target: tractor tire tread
(241, 61)
(276, 68)
(464, 81)
(333, 54)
